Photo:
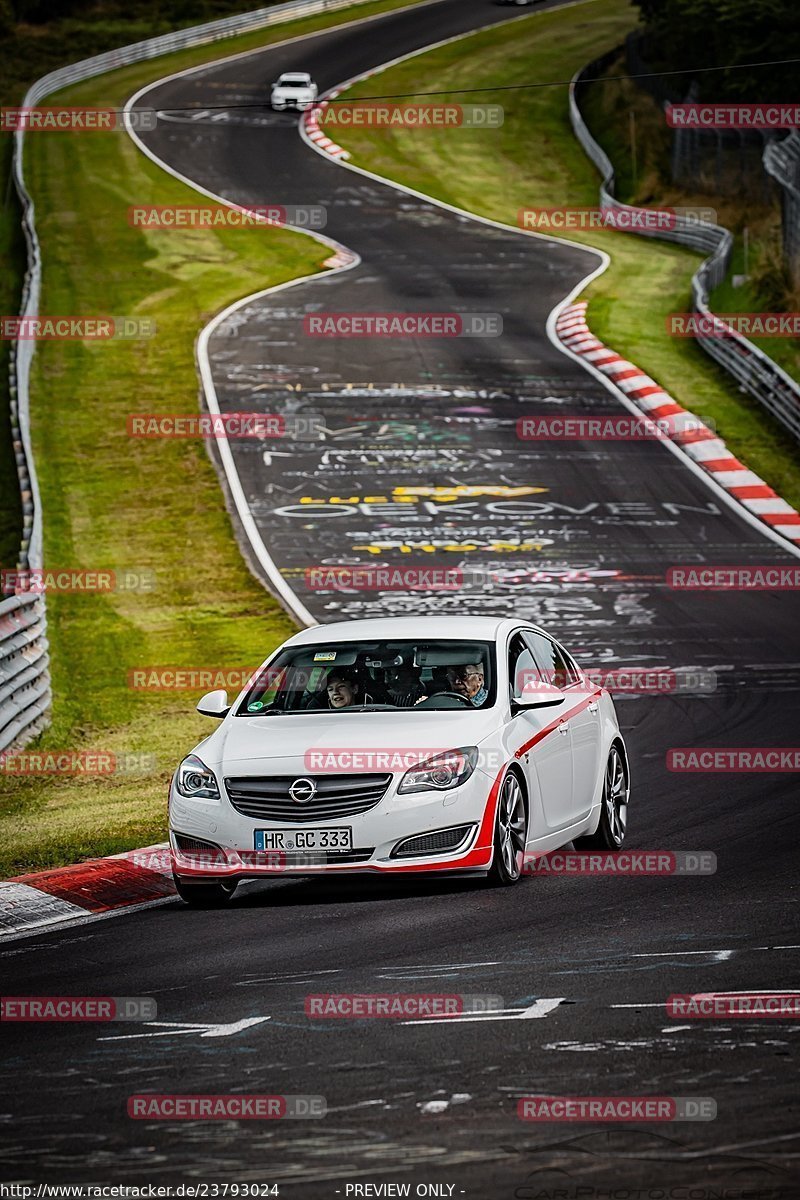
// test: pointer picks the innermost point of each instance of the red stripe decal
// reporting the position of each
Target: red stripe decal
(573, 712)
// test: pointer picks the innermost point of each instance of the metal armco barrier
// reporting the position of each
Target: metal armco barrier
(782, 162)
(24, 673)
(753, 370)
(25, 693)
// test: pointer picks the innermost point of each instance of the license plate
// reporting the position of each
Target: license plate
(340, 839)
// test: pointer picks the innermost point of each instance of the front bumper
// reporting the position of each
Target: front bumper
(296, 104)
(376, 834)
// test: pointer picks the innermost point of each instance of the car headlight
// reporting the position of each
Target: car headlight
(442, 772)
(194, 780)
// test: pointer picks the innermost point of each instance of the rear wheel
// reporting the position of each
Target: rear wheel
(510, 828)
(205, 895)
(610, 832)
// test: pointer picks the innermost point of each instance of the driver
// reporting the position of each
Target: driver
(468, 680)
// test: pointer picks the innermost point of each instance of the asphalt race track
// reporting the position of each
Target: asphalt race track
(435, 1103)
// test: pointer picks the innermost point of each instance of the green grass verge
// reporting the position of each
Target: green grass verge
(30, 51)
(535, 160)
(112, 502)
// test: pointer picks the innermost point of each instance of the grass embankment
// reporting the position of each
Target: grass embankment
(29, 50)
(534, 160)
(112, 502)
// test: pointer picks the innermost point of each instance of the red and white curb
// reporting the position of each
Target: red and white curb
(311, 117)
(316, 135)
(681, 426)
(33, 903)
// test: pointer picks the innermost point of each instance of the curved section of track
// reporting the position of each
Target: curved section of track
(421, 464)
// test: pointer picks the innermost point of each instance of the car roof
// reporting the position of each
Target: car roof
(299, 76)
(445, 628)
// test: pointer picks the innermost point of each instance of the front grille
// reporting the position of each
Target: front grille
(443, 841)
(190, 845)
(267, 797)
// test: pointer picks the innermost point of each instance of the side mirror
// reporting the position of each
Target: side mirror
(538, 695)
(214, 704)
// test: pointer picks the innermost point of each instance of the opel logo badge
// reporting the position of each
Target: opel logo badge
(303, 791)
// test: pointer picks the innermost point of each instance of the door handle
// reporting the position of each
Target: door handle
(592, 706)
(564, 728)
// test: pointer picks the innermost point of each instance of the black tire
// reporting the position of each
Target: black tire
(205, 895)
(610, 833)
(510, 829)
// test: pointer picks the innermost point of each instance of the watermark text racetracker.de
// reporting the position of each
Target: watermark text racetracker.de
(616, 1109)
(621, 428)
(215, 860)
(357, 1006)
(225, 216)
(751, 578)
(23, 581)
(231, 1107)
(747, 324)
(226, 426)
(738, 115)
(621, 862)
(402, 324)
(77, 1008)
(368, 114)
(766, 1005)
(75, 120)
(142, 1191)
(74, 328)
(733, 759)
(76, 762)
(627, 219)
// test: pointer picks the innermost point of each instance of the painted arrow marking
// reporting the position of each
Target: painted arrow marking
(540, 1008)
(177, 1028)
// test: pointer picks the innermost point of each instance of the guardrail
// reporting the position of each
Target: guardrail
(782, 162)
(24, 669)
(25, 693)
(753, 370)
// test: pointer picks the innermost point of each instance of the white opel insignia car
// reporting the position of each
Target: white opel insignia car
(294, 90)
(400, 745)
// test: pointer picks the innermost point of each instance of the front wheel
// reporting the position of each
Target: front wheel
(205, 895)
(510, 827)
(610, 833)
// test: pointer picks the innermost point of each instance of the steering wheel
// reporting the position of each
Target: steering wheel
(438, 696)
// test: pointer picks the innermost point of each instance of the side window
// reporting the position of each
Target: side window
(522, 669)
(555, 666)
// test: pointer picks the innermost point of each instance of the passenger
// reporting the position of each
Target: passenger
(342, 689)
(404, 686)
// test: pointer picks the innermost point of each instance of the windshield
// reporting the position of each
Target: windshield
(294, 81)
(346, 677)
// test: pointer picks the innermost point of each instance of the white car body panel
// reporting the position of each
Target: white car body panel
(563, 771)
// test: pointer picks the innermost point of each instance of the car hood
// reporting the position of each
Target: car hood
(355, 742)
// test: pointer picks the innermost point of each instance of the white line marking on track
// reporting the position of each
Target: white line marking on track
(177, 1028)
(540, 1008)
